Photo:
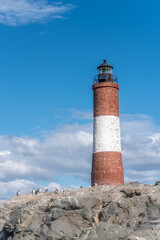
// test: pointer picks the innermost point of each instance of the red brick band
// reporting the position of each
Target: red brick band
(106, 100)
(107, 169)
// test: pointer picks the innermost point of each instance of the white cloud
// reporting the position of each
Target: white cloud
(138, 125)
(53, 185)
(17, 12)
(141, 148)
(66, 151)
(9, 189)
(76, 114)
(141, 176)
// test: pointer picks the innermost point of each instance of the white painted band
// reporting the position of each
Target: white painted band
(106, 134)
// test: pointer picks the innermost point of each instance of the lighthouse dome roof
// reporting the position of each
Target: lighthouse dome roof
(105, 64)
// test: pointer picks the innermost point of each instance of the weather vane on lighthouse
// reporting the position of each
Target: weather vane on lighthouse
(107, 167)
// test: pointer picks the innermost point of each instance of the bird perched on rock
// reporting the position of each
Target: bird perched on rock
(56, 191)
(38, 191)
(33, 191)
(18, 193)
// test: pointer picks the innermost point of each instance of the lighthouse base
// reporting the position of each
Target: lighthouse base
(107, 169)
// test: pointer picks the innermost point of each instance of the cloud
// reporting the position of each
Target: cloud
(53, 185)
(141, 176)
(76, 114)
(9, 189)
(138, 125)
(140, 148)
(66, 151)
(21, 12)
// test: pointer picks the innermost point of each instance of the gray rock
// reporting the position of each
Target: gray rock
(92, 202)
(129, 192)
(157, 183)
(126, 212)
(9, 228)
(133, 184)
(87, 213)
(56, 213)
(61, 229)
(67, 203)
(111, 210)
(103, 231)
(153, 210)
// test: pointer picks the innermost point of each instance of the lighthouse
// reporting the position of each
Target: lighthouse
(107, 166)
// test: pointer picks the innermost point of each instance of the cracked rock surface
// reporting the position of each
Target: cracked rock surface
(127, 212)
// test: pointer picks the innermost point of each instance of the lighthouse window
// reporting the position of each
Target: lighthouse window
(100, 71)
(110, 71)
(104, 70)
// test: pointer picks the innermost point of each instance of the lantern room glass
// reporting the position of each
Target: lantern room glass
(105, 70)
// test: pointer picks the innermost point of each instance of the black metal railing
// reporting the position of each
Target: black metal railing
(105, 78)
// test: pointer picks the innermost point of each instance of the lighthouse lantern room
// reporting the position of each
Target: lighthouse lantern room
(105, 73)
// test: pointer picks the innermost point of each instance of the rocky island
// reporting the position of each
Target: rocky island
(127, 212)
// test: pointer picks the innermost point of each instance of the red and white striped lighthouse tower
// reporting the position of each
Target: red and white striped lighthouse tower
(107, 167)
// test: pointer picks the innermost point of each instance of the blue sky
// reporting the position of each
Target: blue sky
(49, 52)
